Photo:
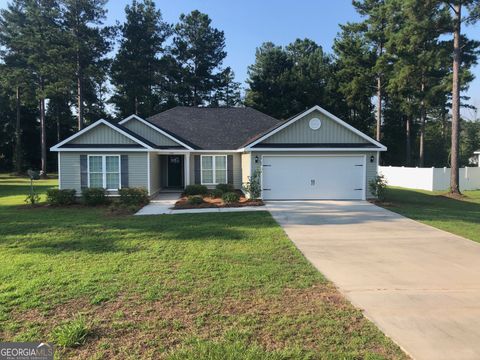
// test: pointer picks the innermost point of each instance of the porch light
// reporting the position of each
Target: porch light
(256, 159)
(372, 159)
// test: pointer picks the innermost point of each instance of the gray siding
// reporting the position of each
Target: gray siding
(299, 132)
(70, 169)
(237, 168)
(149, 133)
(102, 134)
(154, 173)
(371, 171)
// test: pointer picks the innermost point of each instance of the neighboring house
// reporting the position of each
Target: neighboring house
(477, 160)
(313, 155)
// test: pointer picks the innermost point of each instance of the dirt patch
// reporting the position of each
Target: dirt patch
(454, 196)
(210, 202)
(153, 328)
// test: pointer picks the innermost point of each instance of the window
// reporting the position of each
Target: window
(104, 171)
(214, 169)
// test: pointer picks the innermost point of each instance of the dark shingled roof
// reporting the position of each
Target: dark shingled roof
(214, 128)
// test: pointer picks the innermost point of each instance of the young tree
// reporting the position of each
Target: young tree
(199, 51)
(137, 68)
(89, 44)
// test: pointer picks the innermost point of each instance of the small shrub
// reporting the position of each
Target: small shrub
(378, 187)
(225, 188)
(196, 190)
(195, 199)
(72, 333)
(32, 198)
(59, 197)
(253, 187)
(230, 197)
(134, 196)
(215, 193)
(94, 196)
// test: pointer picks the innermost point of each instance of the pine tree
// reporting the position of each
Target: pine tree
(227, 92)
(198, 50)
(137, 70)
(89, 44)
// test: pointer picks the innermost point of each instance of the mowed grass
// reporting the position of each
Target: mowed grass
(461, 217)
(223, 286)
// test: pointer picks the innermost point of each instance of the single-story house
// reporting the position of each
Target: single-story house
(313, 155)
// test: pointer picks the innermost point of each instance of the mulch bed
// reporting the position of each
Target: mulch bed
(209, 202)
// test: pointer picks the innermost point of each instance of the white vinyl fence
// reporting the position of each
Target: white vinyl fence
(430, 178)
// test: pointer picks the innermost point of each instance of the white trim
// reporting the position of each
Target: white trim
(186, 163)
(148, 174)
(214, 170)
(316, 149)
(324, 112)
(59, 173)
(364, 196)
(91, 126)
(100, 149)
(104, 170)
(147, 123)
(218, 151)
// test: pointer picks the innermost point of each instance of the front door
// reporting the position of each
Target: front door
(175, 171)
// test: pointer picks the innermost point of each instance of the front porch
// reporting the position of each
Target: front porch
(168, 172)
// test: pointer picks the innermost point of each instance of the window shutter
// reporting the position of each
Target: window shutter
(124, 170)
(230, 169)
(83, 172)
(196, 169)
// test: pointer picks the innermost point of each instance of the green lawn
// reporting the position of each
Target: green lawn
(461, 217)
(227, 286)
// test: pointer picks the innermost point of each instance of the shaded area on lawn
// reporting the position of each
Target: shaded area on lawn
(179, 286)
(461, 217)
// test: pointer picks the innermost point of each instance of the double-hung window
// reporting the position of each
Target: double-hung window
(104, 171)
(214, 169)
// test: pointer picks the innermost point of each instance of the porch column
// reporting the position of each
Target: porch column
(187, 168)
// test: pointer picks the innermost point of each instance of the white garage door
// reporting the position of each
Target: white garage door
(313, 177)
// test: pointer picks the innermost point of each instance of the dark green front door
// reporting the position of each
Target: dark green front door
(175, 171)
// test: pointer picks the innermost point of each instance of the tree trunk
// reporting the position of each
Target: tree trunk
(454, 175)
(408, 142)
(79, 94)
(136, 105)
(379, 108)
(423, 116)
(43, 136)
(18, 135)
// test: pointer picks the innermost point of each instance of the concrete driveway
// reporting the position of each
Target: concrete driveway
(420, 285)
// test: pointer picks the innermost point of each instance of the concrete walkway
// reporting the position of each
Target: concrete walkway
(163, 203)
(420, 285)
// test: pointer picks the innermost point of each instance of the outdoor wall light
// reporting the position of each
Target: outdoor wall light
(372, 159)
(256, 159)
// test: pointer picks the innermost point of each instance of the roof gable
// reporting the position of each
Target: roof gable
(333, 132)
(102, 133)
(152, 133)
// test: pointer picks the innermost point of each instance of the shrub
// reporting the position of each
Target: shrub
(230, 197)
(216, 193)
(195, 199)
(253, 187)
(32, 198)
(378, 187)
(59, 197)
(94, 196)
(196, 190)
(225, 188)
(133, 196)
(72, 333)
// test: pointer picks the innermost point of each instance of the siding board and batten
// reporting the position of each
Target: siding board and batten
(102, 134)
(148, 133)
(300, 132)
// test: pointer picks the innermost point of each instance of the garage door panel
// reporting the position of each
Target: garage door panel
(313, 177)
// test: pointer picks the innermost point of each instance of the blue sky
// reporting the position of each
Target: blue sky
(248, 23)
